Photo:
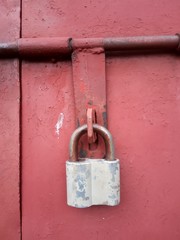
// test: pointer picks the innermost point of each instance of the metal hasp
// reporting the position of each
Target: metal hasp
(92, 181)
(88, 66)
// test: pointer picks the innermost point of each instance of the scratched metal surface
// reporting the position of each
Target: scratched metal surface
(143, 117)
(93, 182)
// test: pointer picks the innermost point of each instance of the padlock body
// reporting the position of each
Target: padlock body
(93, 182)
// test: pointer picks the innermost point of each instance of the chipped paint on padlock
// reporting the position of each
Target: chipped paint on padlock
(92, 181)
(79, 184)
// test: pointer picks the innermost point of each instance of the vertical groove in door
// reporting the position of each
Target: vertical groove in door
(9, 126)
(20, 127)
(20, 147)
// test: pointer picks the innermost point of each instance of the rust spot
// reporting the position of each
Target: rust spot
(82, 153)
(104, 115)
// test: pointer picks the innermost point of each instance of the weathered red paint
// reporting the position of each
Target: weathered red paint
(55, 47)
(88, 69)
(143, 108)
(90, 120)
(34, 47)
(9, 127)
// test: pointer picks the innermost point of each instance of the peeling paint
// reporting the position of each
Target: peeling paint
(93, 182)
(59, 123)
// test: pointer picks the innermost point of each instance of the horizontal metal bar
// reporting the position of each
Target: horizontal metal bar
(36, 47)
(142, 43)
(57, 47)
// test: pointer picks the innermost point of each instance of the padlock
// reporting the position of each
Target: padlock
(92, 181)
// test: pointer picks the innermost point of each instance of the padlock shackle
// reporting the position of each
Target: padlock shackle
(102, 131)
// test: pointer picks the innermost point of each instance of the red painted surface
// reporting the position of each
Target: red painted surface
(143, 94)
(89, 81)
(9, 127)
(59, 47)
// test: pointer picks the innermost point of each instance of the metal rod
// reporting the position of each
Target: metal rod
(142, 43)
(55, 47)
(8, 50)
(105, 134)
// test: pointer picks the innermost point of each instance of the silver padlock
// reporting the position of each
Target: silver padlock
(92, 181)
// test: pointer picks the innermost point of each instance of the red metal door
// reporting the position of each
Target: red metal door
(9, 126)
(143, 99)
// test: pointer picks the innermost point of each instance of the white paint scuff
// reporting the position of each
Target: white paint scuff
(93, 182)
(59, 123)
